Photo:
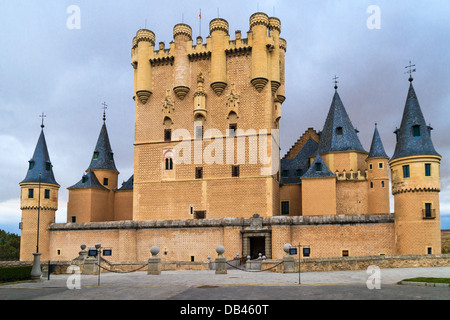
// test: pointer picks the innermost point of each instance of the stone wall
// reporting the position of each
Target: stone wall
(362, 263)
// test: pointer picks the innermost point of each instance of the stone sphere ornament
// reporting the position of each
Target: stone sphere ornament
(154, 250)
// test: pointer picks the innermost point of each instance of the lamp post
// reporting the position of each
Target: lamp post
(36, 271)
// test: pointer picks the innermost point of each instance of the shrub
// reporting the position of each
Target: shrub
(16, 273)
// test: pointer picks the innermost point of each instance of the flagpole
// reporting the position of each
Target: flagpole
(200, 23)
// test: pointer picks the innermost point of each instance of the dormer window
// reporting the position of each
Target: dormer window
(31, 165)
(95, 155)
(84, 179)
(111, 156)
(339, 131)
(48, 166)
(416, 131)
(318, 167)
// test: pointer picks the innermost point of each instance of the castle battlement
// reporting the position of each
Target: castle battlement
(354, 176)
(263, 43)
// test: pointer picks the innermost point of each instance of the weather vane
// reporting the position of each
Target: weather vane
(42, 116)
(335, 82)
(105, 106)
(410, 71)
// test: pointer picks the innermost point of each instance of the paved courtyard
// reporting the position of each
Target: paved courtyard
(235, 285)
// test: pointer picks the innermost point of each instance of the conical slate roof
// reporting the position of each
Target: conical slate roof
(127, 185)
(318, 169)
(338, 133)
(103, 157)
(40, 164)
(413, 137)
(377, 148)
(89, 180)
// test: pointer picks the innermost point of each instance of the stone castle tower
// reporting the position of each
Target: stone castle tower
(415, 174)
(38, 202)
(195, 105)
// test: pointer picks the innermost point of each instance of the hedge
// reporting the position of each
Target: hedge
(17, 273)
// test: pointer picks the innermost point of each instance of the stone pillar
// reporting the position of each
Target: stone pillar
(221, 261)
(288, 260)
(36, 271)
(154, 263)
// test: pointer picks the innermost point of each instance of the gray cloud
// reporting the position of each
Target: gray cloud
(68, 73)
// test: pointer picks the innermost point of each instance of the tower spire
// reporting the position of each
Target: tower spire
(410, 71)
(42, 116)
(335, 82)
(105, 106)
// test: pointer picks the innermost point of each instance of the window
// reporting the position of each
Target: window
(191, 209)
(345, 253)
(370, 166)
(285, 207)
(199, 132)
(299, 173)
(371, 185)
(318, 167)
(105, 181)
(406, 172)
(47, 194)
(84, 179)
(169, 164)
(199, 173)
(167, 134)
(31, 166)
(428, 211)
(73, 219)
(429, 250)
(111, 156)
(192, 258)
(235, 171)
(339, 131)
(285, 173)
(382, 184)
(380, 165)
(306, 252)
(30, 193)
(58, 252)
(416, 131)
(48, 166)
(200, 214)
(95, 155)
(233, 128)
(428, 169)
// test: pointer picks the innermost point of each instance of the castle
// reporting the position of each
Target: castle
(208, 171)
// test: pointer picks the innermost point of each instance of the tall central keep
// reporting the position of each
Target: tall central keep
(207, 118)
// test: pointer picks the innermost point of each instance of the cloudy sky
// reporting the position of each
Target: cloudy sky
(48, 66)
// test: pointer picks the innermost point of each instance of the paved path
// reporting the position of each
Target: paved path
(235, 285)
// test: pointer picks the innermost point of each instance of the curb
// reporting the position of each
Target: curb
(425, 284)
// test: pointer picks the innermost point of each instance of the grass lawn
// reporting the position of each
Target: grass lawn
(431, 280)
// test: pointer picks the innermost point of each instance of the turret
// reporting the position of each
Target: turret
(143, 50)
(38, 202)
(259, 23)
(218, 29)
(378, 177)
(415, 176)
(182, 34)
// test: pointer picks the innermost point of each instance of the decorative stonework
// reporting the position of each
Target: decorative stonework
(145, 35)
(233, 102)
(259, 18)
(218, 24)
(200, 98)
(181, 91)
(259, 83)
(182, 29)
(168, 107)
(218, 87)
(143, 95)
